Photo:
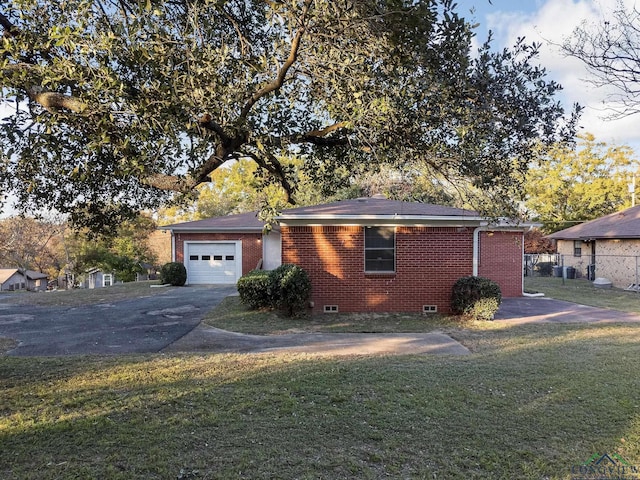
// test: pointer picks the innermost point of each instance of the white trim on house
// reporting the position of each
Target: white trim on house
(271, 250)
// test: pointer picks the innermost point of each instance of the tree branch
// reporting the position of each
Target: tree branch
(10, 30)
(277, 83)
(52, 101)
(274, 168)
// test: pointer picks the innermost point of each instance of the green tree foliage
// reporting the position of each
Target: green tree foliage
(571, 186)
(119, 104)
(124, 252)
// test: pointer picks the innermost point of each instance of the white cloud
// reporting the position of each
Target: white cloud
(552, 23)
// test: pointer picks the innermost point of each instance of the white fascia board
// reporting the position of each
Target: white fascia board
(355, 220)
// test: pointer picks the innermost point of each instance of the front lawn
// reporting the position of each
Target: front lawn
(531, 402)
(582, 291)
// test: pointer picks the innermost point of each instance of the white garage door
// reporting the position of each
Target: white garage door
(211, 263)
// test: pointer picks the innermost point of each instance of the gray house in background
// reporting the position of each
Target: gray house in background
(96, 278)
(12, 279)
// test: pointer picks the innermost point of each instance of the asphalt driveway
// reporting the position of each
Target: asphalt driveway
(171, 322)
(140, 325)
(525, 310)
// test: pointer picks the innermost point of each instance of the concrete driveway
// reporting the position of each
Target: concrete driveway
(141, 325)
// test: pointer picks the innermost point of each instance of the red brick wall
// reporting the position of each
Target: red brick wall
(428, 262)
(251, 245)
(501, 260)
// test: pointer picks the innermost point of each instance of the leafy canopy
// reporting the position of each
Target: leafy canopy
(118, 105)
(575, 185)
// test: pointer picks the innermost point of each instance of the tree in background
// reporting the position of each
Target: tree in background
(611, 52)
(570, 186)
(117, 104)
(125, 253)
(56, 249)
(30, 244)
(535, 242)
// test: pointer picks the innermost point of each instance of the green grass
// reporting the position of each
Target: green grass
(232, 315)
(84, 296)
(529, 403)
(583, 292)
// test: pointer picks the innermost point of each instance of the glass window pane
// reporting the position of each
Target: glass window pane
(379, 237)
(193, 257)
(206, 257)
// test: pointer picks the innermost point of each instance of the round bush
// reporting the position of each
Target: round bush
(173, 273)
(293, 288)
(476, 297)
(256, 289)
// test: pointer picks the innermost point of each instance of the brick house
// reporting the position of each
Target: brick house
(607, 247)
(368, 254)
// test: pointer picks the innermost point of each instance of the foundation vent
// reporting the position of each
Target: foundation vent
(331, 309)
(429, 309)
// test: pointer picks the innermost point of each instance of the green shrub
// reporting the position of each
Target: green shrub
(293, 286)
(173, 273)
(476, 297)
(256, 289)
(288, 288)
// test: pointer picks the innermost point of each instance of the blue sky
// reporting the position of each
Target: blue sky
(550, 22)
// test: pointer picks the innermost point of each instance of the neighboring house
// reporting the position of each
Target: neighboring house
(12, 279)
(368, 254)
(606, 247)
(96, 278)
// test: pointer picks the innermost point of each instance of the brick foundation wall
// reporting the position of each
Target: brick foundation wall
(501, 260)
(251, 245)
(428, 262)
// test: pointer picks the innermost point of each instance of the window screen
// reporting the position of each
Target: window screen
(379, 249)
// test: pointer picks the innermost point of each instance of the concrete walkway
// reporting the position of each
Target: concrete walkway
(516, 311)
(209, 339)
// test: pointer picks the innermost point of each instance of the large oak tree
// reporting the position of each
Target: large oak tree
(118, 104)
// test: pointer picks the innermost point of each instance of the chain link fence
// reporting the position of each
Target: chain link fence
(623, 271)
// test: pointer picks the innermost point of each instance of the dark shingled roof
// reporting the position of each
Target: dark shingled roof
(624, 224)
(376, 206)
(365, 207)
(242, 221)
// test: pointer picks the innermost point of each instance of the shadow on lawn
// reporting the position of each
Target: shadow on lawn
(531, 403)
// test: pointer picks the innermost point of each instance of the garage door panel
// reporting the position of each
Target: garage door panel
(211, 263)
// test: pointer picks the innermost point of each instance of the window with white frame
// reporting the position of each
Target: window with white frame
(379, 249)
(577, 248)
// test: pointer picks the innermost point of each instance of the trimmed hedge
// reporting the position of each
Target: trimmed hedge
(173, 273)
(256, 289)
(288, 288)
(476, 297)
